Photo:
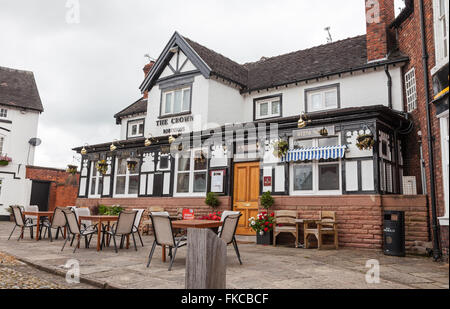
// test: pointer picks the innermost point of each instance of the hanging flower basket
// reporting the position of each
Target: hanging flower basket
(131, 164)
(4, 160)
(200, 159)
(365, 141)
(102, 167)
(72, 169)
(280, 148)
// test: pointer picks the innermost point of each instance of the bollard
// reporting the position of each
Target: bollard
(206, 260)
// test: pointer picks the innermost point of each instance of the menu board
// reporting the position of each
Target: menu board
(217, 180)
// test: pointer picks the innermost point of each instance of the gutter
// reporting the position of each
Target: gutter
(434, 222)
(389, 85)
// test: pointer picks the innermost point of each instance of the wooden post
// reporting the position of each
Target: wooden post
(206, 260)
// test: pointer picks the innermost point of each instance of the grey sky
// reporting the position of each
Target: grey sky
(87, 72)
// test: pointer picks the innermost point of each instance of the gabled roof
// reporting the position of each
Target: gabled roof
(18, 89)
(138, 107)
(316, 62)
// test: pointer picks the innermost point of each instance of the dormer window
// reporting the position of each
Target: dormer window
(322, 98)
(176, 101)
(135, 128)
(3, 113)
(267, 107)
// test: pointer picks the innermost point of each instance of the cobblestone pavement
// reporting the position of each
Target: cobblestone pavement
(15, 274)
(264, 267)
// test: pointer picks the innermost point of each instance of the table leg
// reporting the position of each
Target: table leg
(37, 227)
(164, 254)
(99, 234)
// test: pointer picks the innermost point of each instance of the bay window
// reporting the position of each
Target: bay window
(322, 98)
(176, 101)
(315, 176)
(191, 173)
(126, 180)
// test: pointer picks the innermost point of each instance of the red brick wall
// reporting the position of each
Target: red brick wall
(63, 188)
(359, 217)
(410, 43)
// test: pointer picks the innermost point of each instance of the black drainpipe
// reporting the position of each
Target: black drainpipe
(389, 85)
(436, 248)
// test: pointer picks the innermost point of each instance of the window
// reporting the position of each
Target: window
(191, 174)
(135, 128)
(96, 183)
(127, 181)
(441, 31)
(411, 96)
(1, 184)
(3, 113)
(269, 107)
(2, 140)
(317, 176)
(322, 98)
(176, 101)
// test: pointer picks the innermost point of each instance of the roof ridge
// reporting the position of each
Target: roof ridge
(16, 70)
(303, 50)
(135, 102)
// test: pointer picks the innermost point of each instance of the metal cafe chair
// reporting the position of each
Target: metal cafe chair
(123, 227)
(228, 232)
(58, 222)
(75, 229)
(21, 222)
(137, 222)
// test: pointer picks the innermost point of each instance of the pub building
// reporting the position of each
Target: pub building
(339, 107)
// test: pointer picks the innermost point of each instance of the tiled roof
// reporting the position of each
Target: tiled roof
(18, 89)
(323, 60)
(138, 107)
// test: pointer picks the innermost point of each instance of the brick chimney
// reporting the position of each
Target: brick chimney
(379, 15)
(146, 70)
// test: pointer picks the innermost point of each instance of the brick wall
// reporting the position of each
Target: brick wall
(409, 42)
(63, 186)
(359, 217)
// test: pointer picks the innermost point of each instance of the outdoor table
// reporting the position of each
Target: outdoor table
(100, 219)
(38, 214)
(192, 224)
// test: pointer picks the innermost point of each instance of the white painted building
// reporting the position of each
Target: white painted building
(20, 107)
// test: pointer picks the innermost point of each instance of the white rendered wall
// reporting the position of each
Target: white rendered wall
(23, 127)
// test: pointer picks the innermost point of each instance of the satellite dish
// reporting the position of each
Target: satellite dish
(35, 141)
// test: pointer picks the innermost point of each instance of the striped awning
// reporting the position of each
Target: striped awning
(315, 153)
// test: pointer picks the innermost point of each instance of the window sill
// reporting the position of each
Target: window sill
(189, 194)
(267, 118)
(439, 66)
(443, 221)
(175, 115)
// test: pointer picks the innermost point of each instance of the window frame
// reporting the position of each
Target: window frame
(323, 90)
(3, 113)
(2, 143)
(268, 99)
(164, 92)
(191, 172)
(127, 175)
(135, 122)
(411, 85)
(441, 29)
(97, 182)
(315, 172)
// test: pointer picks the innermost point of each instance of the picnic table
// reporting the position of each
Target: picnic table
(38, 215)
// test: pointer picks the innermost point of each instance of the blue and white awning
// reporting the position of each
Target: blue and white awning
(315, 153)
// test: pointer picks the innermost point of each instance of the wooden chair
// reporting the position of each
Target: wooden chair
(326, 225)
(285, 223)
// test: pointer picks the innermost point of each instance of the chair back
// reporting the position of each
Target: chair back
(83, 212)
(162, 229)
(227, 213)
(328, 216)
(125, 222)
(17, 214)
(137, 220)
(72, 221)
(229, 226)
(31, 208)
(58, 219)
(285, 217)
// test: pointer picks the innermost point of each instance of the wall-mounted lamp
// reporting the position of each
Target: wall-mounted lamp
(83, 150)
(302, 122)
(171, 139)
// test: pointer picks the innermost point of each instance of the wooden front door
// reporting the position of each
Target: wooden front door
(246, 194)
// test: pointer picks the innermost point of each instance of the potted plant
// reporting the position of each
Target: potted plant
(4, 160)
(212, 200)
(72, 169)
(102, 167)
(131, 164)
(267, 200)
(114, 210)
(365, 141)
(263, 226)
(280, 148)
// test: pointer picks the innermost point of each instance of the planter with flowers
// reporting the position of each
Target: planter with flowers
(263, 226)
(4, 160)
(72, 169)
(131, 164)
(102, 167)
(214, 216)
(280, 148)
(365, 141)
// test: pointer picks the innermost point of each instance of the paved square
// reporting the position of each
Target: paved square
(264, 267)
